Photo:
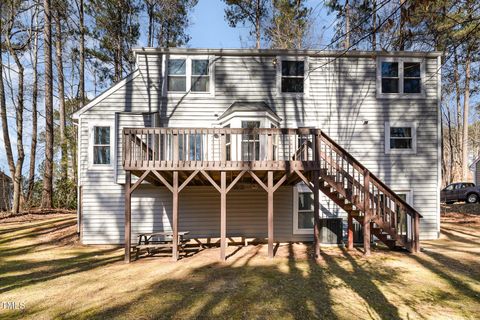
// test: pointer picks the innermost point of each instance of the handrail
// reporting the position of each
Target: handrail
(372, 176)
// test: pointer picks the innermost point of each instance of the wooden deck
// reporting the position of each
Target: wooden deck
(223, 157)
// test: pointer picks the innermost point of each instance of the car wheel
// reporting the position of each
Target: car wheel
(472, 198)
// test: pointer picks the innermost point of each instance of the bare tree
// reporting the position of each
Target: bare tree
(48, 174)
(33, 145)
(59, 16)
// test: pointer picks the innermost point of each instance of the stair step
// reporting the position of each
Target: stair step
(355, 213)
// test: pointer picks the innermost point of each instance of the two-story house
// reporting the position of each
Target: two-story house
(264, 144)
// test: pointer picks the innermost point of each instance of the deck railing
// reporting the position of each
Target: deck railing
(274, 149)
(215, 148)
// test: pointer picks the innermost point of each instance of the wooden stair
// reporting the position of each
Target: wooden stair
(365, 197)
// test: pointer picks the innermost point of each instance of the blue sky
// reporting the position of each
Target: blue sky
(209, 29)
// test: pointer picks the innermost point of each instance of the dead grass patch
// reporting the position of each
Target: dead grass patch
(43, 266)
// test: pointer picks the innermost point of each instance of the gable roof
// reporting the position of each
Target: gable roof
(106, 93)
(249, 106)
(286, 52)
(473, 165)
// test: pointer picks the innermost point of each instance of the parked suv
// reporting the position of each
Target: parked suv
(460, 191)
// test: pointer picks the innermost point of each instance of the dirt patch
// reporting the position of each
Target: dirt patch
(461, 213)
(32, 215)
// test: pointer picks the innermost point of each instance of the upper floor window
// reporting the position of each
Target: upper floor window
(200, 76)
(293, 73)
(399, 76)
(101, 145)
(400, 137)
(177, 75)
(188, 74)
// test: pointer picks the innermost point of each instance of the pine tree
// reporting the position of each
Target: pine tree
(251, 12)
(289, 24)
(117, 29)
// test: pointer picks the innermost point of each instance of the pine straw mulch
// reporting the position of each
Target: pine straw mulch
(33, 214)
(461, 213)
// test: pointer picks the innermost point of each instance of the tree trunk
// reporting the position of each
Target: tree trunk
(33, 145)
(3, 114)
(401, 33)
(150, 23)
(17, 175)
(374, 25)
(48, 175)
(466, 101)
(61, 94)
(258, 14)
(347, 25)
(458, 93)
(81, 76)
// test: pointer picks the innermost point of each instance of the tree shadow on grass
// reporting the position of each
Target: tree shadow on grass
(361, 281)
(18, 270)
(245, 289)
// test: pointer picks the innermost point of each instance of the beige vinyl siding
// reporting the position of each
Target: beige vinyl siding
(341, 101)
(199, 214)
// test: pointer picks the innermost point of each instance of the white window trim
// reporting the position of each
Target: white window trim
(306, 77)
(412, 125)
(401, 61)
(235, 121)
(91, 126)
(297, 230)
(188, 75)
(409, 194)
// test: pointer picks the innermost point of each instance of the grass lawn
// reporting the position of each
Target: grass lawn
(44, 269)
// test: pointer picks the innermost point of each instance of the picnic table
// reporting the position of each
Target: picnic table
(154, 241)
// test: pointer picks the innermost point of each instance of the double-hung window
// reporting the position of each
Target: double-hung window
(399, 77)
(177, 75)
(303, 217)
(200, 75)
(292, 76)
(101, 146)
(400, 137)
(412, 80)
(390, 77)
(188, 75)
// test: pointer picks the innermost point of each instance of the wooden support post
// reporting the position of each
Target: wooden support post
(316, 213)
(223, 215)
(175, 216)
(128, 215)
(367, 213)
(416, 235)
(270, 213)
(350, 232)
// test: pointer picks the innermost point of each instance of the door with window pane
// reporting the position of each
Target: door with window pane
(250, 142)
